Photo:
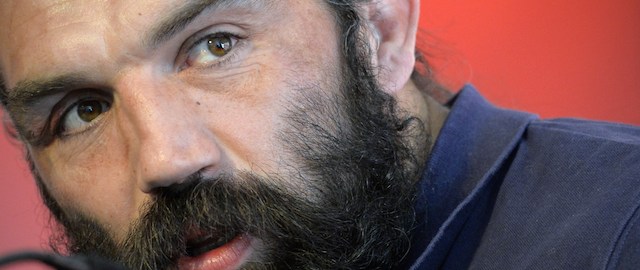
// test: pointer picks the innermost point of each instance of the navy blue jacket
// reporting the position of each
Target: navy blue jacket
(506, 190)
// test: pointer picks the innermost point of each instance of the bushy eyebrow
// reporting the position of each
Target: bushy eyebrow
(178, 19)
(26, 92)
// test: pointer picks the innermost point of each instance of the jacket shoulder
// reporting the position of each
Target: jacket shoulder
(569, 197)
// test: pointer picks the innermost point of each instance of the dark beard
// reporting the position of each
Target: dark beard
(353, 154)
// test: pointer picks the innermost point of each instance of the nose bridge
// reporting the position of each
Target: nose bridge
(168, 142)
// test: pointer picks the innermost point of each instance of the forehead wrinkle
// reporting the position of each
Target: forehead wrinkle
(47, 16)
(44, 36)
(38, 11)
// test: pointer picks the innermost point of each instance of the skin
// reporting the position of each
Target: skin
(167, 119)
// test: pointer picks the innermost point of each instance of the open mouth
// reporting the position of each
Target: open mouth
(197, 245)
(216, 251)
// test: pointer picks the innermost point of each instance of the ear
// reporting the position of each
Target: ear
(394, 25)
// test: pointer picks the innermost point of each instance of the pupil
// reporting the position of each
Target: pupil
(220, 45)
(89, 110)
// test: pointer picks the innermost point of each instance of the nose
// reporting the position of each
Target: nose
(168, 140)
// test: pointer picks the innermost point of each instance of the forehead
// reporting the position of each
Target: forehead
(39, 31)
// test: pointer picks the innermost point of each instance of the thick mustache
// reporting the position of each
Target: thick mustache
(226, 206)
(212, 207)
(204, 203)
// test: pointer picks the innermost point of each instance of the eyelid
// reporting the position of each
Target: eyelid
(52, 128)
(62, 134)
(201, 36)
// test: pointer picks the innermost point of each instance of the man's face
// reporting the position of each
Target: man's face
(201, 132)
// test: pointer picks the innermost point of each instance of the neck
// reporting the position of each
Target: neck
(429, 111)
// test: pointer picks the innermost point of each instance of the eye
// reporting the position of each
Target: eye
(210, 48)
(81, 115)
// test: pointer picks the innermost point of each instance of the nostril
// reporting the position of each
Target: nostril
(179, 187)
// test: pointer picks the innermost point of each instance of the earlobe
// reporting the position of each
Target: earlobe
(394, 26)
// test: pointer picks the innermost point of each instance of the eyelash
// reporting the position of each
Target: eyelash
(54, 125)
(60, 121)
(184, 53)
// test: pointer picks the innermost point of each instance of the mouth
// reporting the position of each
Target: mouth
(200, 244)
(216, 251)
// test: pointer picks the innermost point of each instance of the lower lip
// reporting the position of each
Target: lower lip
(229, 256)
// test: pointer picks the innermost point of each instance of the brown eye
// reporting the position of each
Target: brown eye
(210, 49)
(219, 46)
(80, 117)
(90, 110)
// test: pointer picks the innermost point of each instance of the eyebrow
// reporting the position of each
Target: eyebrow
(27, 92)
(177, 20)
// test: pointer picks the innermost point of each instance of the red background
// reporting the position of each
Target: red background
(554, 58)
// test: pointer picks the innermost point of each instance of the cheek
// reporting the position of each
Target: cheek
(249, 114)
(94, 180)
(240, 107)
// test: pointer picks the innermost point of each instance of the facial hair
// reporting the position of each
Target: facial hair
(353, 152)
